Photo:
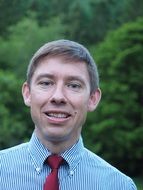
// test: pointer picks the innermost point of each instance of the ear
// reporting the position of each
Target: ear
(94, 100)
(26, 94)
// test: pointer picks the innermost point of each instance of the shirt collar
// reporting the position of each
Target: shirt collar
(74, 154)
(39, 153)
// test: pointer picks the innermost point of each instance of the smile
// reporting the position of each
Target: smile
(57, 115)
(57, 118)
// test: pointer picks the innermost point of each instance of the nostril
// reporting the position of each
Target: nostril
(58, 101)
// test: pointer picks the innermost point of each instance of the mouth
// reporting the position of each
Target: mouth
(57, 118)
(58, 115)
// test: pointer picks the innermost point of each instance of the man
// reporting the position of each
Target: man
(62, 86)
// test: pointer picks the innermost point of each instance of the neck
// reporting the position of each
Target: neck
(58, 146)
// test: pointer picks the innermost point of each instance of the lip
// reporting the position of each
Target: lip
(57, 117)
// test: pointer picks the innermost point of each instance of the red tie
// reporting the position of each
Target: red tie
(51, 182)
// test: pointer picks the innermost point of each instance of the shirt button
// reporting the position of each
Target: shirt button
(71, 172)
(38, 169)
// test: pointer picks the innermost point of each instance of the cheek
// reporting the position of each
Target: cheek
(37, 97)
(36, 104)
(81, 103)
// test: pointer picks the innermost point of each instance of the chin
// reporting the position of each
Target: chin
(57, 138)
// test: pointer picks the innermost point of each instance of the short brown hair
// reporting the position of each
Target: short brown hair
(69, 50)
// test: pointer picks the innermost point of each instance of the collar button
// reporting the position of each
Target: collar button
(71, 172)
(38, 170)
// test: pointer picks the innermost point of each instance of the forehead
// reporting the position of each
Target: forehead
(60, 65)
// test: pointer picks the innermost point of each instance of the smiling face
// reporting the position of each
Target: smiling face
(59, 98)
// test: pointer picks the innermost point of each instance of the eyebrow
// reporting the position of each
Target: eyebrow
(75, 78)
(45, 75)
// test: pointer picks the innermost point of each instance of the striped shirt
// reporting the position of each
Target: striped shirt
(23, 168)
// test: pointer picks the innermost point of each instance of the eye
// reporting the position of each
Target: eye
(46, 83)
(74, 86)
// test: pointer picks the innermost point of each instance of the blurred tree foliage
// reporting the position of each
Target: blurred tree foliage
(13, 115)
(116, 125)
(115, 130)
(24, 39)
(87, 21)
(11, 12)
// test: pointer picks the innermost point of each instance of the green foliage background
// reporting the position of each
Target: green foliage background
(113, 31)
(116, 129)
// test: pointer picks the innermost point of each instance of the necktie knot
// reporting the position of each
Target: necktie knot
(55, 161)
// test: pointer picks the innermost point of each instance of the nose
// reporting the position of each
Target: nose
(58, 96)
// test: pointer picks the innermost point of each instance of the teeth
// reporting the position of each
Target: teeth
(57, 115)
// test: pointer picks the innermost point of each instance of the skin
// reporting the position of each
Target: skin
(59, 99)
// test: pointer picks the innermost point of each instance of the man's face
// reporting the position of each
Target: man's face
(59, 98)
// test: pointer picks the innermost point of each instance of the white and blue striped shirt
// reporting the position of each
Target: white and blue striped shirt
(23, 168)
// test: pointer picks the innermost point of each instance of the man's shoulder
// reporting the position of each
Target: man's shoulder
(105, 170)
(96, 162)
(95, 159)
(14, 151)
